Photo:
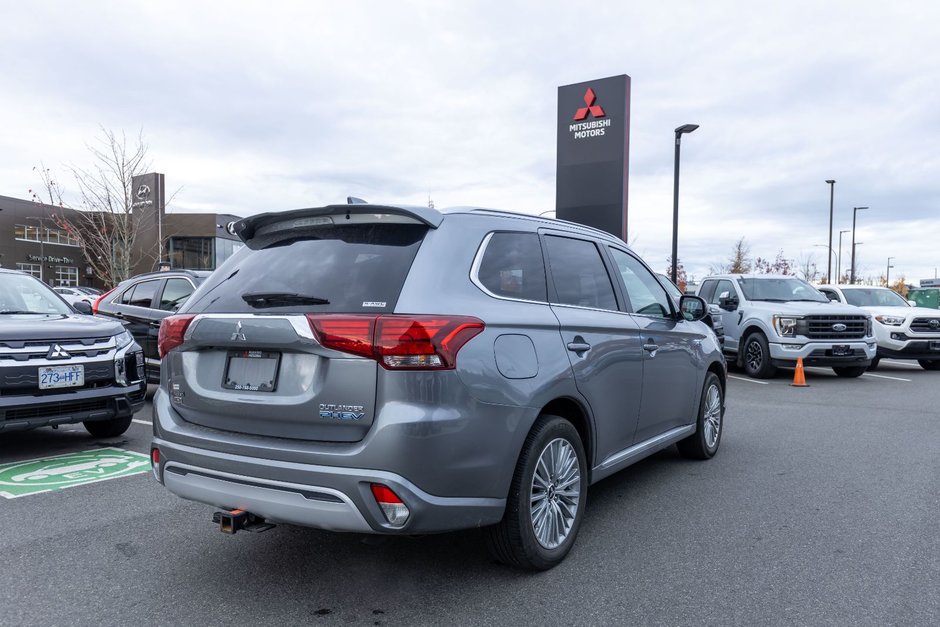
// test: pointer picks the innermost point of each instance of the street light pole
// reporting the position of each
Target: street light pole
(839, 259)
(832, 192)
(685, 128)
(831, 255)
(888, 273)
(855, 211)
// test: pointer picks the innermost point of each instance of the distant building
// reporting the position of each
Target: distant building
(32, 241)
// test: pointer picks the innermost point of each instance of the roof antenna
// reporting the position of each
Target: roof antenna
(352, 200)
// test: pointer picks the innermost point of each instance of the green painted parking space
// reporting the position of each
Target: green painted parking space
(47, 474)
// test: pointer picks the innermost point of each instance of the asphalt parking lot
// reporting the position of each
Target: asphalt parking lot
(822, 507)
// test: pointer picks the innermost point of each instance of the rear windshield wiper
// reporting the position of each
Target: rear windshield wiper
(281, 299)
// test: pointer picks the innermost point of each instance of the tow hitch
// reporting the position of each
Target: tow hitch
(236, 519)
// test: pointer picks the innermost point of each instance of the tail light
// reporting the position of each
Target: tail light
(171, 334)
(398, 342)
(94, 306)
(395, 511)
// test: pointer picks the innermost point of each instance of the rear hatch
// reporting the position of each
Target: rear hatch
(251, 355)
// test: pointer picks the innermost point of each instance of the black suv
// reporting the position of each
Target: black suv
(141, 302)
(60, 366)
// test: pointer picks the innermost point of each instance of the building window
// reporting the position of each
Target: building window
(30, 233)
(32, 268)
(225, 248)
(192, 253)
(66, 276)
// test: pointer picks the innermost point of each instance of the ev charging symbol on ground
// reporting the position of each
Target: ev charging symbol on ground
(65, 471)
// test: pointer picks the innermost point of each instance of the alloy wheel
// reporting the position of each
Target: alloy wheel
(712, 418)
(555, 493)
(754, 356)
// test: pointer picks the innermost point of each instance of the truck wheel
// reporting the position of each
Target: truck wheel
(546, 498)
(874, 363)
(929, 364)
(108, 428)
(850, 371)
(703, 444)
(756, 357)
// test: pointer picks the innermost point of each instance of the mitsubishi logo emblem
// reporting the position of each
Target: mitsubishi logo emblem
(57, 352)
(238, 336)
(595, 110)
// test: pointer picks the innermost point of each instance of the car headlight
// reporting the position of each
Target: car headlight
(123, 338)
(785, 325)
(891, 321)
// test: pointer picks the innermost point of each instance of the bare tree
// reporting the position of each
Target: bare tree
(739, 262)
(806, 267)
(104, 222)
(779, 265)
(682, 279)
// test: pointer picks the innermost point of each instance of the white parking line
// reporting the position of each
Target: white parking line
(895, 362)
(881, 376)
(142, 422)
(731, 376)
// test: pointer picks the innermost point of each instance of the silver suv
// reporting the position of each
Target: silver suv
(402, 370)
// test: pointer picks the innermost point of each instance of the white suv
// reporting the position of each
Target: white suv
(903, 330)
(772, 320)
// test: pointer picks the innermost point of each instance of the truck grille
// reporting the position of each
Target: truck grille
(836, 327)
(13, 351)
(925, 325)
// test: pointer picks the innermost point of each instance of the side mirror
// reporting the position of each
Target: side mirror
(912, 303)
(728, 302)
(692, 308)
(82, 307)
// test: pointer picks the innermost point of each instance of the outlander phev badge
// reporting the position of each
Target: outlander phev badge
(238, 336)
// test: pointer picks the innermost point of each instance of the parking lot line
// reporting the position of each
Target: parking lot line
(142, 422)
(881, 376)
(907, 364)
(731, 376)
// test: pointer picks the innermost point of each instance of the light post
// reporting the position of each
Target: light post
(855, 211)
(685, 128)
(839, 259)
(888, 273)
(832, 192)
(831, 254)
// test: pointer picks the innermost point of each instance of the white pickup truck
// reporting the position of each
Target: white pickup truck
(771, 320)
(903, 330)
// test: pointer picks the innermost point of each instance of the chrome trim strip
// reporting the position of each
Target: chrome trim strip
(68, 345)
(478, 261)
(298, 322)
(648, 446)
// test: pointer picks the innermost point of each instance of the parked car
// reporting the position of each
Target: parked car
(73, 295)
(91, 291)
(141, 302)
(902, 331)
(400, 370)
(712, 318)
(772, 320)
(58, 366)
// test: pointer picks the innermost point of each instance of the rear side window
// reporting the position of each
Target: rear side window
(512, 267)
(358, 268)
(143, 293)
(175, 293)
(578, 273)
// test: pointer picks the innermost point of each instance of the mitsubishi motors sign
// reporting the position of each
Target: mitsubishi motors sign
(593, 153)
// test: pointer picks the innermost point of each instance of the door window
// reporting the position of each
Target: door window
(724, 288)
(512, 267)
(578, 273)
(143, 293)
(707, 290)
(647, 297)
(175, 294)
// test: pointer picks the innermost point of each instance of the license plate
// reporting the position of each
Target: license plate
(841, 350)
(251, 371)
(51, 377)
(935, 346)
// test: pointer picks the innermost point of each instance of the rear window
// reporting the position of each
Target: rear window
(345, 269)
(512, 267)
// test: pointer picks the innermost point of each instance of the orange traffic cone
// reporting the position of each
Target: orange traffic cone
(799, 377)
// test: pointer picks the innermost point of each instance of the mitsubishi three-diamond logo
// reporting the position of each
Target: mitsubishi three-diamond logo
(589, 98)
(595, 127)
(57, 352)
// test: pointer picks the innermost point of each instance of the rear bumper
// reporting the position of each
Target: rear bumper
(323, 497)
(93, 404)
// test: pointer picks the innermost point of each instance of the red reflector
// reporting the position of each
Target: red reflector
(94, 306)
(384, 494)
(171, 334)
(155, 456)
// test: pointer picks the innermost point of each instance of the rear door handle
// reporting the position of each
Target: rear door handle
(651, 348)
(579, 347)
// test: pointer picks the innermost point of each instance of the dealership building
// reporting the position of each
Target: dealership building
(32, 239)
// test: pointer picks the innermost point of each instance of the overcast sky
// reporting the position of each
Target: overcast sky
(259, 106)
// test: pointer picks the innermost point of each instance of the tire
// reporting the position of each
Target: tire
(874, 363)
(850, 372)
(515, 541)
(756, 357)
(108, 428)
(703, 444)
(929, 364)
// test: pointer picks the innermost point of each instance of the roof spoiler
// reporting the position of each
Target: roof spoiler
(246, 228)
